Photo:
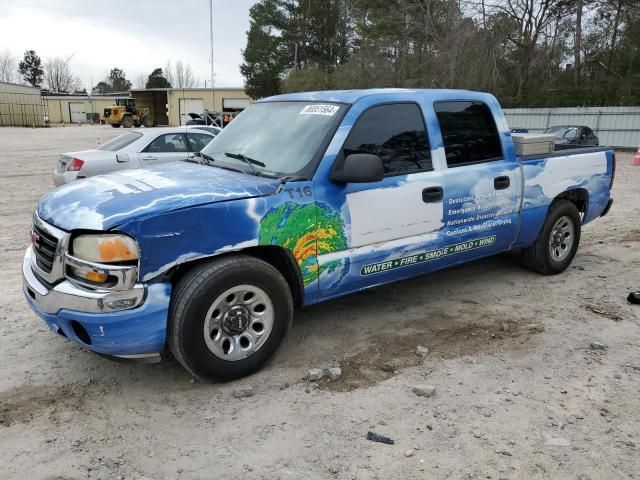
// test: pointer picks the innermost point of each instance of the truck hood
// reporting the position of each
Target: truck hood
(106, 201)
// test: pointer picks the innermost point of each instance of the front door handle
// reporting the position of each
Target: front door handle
(500, 183)
(149, 158)
(432, 194)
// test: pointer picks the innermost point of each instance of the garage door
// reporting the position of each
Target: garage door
(190, 105)
(235, 103)
(77, 113)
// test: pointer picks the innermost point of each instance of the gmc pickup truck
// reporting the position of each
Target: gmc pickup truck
(303, 198)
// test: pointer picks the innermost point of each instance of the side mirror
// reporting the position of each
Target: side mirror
(122, 157)
(358, 168)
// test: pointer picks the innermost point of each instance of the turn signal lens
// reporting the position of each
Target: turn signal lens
(96, 277)
(105, 248)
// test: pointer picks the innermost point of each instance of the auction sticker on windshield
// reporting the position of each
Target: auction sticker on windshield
(328, 110)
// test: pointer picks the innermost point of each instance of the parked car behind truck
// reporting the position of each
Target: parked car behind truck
(570, 136)
(303, 198)
(134, 149)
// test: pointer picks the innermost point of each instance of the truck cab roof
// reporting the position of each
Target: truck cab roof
(352, 96)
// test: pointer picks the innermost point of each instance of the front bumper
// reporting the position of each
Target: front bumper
(85, 317)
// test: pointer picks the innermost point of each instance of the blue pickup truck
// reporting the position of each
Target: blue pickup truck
(303, 198)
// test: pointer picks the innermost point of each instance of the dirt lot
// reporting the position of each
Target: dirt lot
(510, 359)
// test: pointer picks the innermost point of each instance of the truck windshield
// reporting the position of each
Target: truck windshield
(281, 138)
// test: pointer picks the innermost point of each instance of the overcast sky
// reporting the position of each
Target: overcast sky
(135, 35)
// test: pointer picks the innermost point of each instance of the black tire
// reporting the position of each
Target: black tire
(147, 121)
(115, 125)
(127, 121)
(195, 294)
(538, 257)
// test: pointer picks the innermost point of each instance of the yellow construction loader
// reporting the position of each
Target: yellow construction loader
(125, 113)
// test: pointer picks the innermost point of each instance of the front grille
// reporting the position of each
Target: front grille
(44, 246)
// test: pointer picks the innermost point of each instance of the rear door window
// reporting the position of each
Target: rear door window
(396, 133)
(469, 132)
(171, 142)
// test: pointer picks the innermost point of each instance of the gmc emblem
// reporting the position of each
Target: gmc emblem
(35, 238)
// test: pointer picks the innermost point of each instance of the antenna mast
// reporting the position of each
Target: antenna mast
(213, 94)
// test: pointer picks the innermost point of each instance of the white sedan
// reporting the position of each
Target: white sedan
(134, 149)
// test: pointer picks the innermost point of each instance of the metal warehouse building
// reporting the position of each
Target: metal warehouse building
(21, 106)
(26, 106)
(169, 106)
(78, 108)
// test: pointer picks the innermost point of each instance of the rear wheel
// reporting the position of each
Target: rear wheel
(147, 121)
(228, 317)
(127, 121)
(557, 243)
(115, 125)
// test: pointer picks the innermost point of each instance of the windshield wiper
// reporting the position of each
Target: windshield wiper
(246, 159)
(288, 178)
(249, 161)
(208, 160)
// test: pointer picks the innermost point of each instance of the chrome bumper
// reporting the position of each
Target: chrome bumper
(67, 296)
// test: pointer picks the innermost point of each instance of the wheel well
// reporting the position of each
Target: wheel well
(578, 196)
(278, 257)
(284, 261)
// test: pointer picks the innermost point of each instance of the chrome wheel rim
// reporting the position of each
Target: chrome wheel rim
(239, 322)
(561, 239)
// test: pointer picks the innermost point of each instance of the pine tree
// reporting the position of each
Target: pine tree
(116, 81)
(267, 55)
(31, 68)
(157, 80)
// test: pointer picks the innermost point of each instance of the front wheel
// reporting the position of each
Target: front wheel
(228, 317)
(147, 121)
(557, 243)
(115, 125)
(127, 121)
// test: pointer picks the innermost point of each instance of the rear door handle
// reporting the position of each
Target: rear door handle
(432, 194)
(149, 158)
(500, 183)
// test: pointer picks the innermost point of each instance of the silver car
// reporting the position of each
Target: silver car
(134, 149)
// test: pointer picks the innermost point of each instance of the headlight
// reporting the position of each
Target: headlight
(108, 248)
(103, 261)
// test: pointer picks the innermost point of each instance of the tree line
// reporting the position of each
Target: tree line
(55, 75)
(526, 52)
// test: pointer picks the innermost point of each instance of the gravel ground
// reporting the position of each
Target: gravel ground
(520, 392)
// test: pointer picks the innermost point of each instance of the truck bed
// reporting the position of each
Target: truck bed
(561, 151)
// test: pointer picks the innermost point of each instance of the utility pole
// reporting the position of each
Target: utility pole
(213, 94)
(577, 45)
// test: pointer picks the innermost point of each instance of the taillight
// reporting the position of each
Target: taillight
(75, 165)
